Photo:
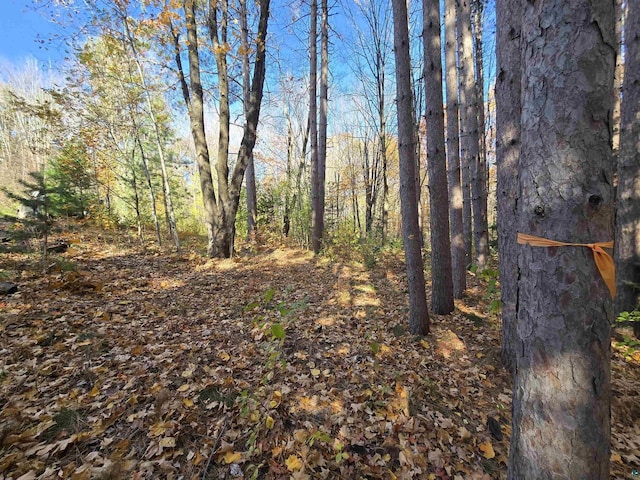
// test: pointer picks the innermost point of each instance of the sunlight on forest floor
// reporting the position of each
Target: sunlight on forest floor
(149, 364)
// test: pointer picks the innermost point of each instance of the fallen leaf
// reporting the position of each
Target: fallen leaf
(293, 463)
(232, 457)
(487, 450)
(168, 442)
(269, 422)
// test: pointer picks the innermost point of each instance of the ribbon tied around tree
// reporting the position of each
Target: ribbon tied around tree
(603, 260)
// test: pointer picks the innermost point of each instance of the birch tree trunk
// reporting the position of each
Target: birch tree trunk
(418, 312)
(627, 246)
(441, 281)
(562, 395)
(458, 260)
(509, 32)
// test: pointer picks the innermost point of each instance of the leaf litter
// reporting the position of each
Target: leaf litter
(270, 366)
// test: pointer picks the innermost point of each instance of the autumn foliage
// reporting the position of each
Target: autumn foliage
(119, 363)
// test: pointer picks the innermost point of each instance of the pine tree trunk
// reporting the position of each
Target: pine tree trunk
(509, 31)
(465, 163)
(441, 283)
(469, 134)
(418, 312)
(481, 233)
(561, 396)
(627, 246)
(458, 260)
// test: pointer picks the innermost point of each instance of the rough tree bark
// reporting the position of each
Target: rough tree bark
(509, 31)
(465, 163)
(469, 134)
(627, 246)
(442, 283)
(250, 174)
(561, 396)
(418, 311)
(221, 207)
(477, 18)
(458, 260)
(193, 97)
(218, 30)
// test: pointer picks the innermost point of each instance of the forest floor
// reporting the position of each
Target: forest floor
(118, 362)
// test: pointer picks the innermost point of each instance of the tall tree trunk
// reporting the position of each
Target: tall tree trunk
(469, 134)
(562, 395)
(316, 233)
(136, 196)
(286, 220)
(152, 195)
(173, 229)
(458, 260)
(229, 187)
(509, 31)
(218, 29)
(249, 136)
(193, 96)
(441, 283)
(465, 159)
(250, 174)
(482, 177)
(322, 119)
(627, 246)
(418, 311)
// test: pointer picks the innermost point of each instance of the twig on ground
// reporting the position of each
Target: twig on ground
(214, 448)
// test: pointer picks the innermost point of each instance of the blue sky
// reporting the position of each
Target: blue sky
(21, 27)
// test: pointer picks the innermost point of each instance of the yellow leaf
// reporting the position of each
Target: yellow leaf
(315, 372)
(424, 343)
(232, 457)
(187, 402)
(159, 428)
(224, 356)
(168, 442)
(487, 450)
(183, 388)
(293, 463)
(94, 391)
(269, 422)
(616, 458)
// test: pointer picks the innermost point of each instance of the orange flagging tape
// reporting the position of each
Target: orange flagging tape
(603, 260)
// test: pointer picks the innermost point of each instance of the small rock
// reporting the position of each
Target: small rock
(7, 288)
(235, 470)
